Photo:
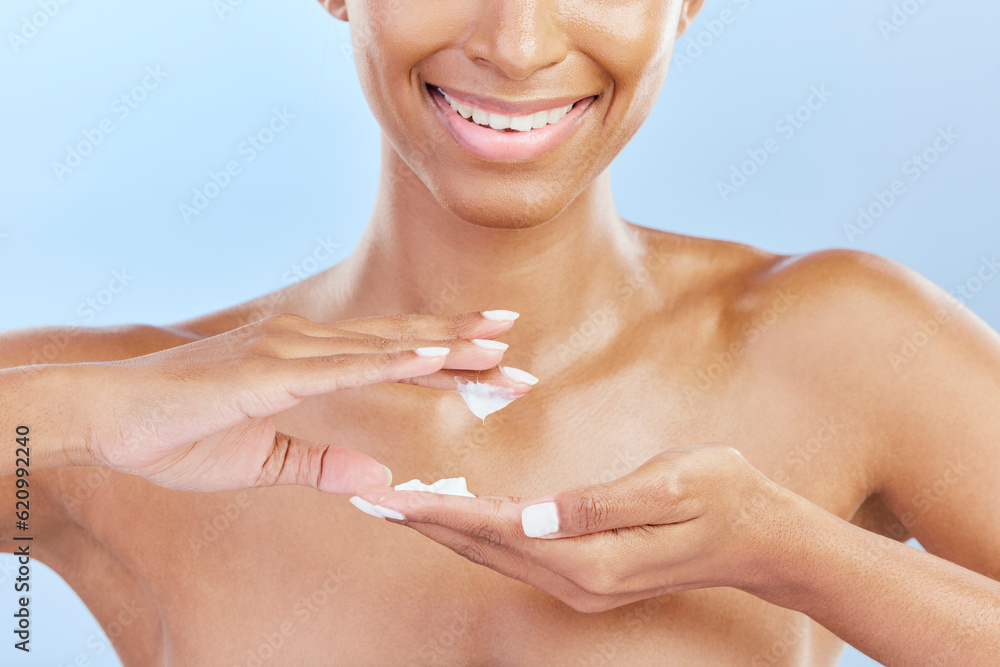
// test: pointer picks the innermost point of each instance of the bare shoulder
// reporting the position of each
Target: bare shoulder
(843, 326)
(865, 336)
(860, 309)
(849, 321)
(916, 371)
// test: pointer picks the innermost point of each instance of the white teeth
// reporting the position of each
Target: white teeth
(556, 114)
(521, 123)
(499, 122)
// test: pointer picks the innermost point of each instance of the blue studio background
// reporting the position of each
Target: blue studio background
(839, 97)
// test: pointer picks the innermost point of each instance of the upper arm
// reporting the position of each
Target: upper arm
(941, 476)
(67, 345)
(924, 371)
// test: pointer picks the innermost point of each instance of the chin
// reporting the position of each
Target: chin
(498, 211)
(505, 199)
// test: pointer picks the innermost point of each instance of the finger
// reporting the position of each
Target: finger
(510, 563)
(517, 381)
(476, 354)
(491, 521)
(648, 496)
(484, 530)
(322, 466)
(552, 566)
(485, 325)
(494, 521)
(309, 376)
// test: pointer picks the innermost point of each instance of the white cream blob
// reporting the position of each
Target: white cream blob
(454, 486)
(484, 398)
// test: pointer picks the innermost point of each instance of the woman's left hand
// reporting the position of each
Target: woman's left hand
(694, 516)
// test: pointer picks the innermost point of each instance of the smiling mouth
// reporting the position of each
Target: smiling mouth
(499, 138)
(504, 123)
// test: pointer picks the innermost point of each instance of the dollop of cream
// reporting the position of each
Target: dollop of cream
(454, 486)
(484, 398)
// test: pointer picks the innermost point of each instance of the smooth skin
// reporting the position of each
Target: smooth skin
(808, 453)
(200, 416)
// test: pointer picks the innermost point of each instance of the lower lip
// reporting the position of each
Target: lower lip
(492, 144)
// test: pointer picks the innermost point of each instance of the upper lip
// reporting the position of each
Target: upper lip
(505, 108)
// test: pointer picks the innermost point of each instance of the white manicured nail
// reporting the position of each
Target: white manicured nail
(389, 514)
(388, 475)
(501, 315)
(432, 351)
(490, 344)
(517, 375)
(365, 506)
(540, 520)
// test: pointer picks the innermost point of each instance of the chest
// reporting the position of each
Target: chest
(587, 427)
(292, 571)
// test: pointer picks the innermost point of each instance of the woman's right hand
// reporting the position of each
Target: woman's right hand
(200, 416)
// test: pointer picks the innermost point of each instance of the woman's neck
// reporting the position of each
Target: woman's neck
(416, 257)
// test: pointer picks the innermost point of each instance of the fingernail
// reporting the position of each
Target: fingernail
(390, 514)
(540, 520)
(517, 375)
(501, 315)
(388, 475)
(490, 344)
(365, 506)
(432, 351)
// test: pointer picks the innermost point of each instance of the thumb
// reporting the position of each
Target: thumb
(641, 498)
(320, 465)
